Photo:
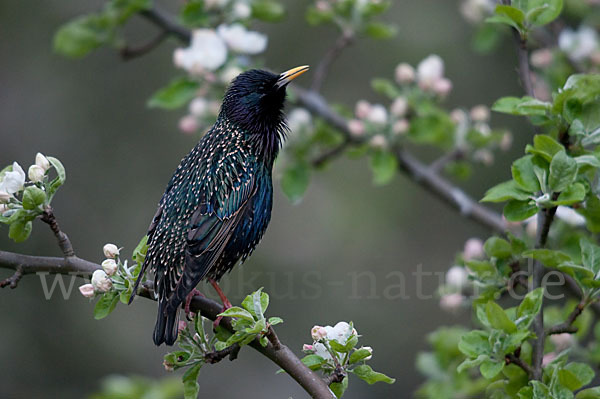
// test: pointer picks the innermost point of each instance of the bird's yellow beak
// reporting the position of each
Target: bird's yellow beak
(291, 74)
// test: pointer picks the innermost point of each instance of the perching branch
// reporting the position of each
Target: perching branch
(279, 354)
(567, 326)
(129, 53)
(164, 21)
(512, 358)
(63, 240)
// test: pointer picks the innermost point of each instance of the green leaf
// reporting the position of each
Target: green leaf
(84, 34)
(33, 197)
(470, 363)
(545, 146)
(275, 320)
(589, 160)
(20, 230)
(516, 15)
(548, 257)
(521, 106)
(529, 307)
(61, 177)
(523, 173)
(338, 388)
(295, 181)
(482, 268)
(384, 166)
(475, 343)
(575, 375)
(563, 171)
(590, 255)
(256, 303)
(571, 195)
(191, 388)
(385, 87)
(313, 362)
(542, 12)
(367, 374)
(506, 191)
(192, 13)
(236, 311)
(590, 393)
(270, 11)
(504, 20)
(516, 211)
(106, 304)
(359, 355)
(176, 94)
(497, 247)
(490, 368)
(377, 30)
(498, 318)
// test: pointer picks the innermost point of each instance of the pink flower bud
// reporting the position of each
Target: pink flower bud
(318, 333)
(562, 341)
(531, 228)
(4, 197)
(541, 58)
(442, 87)
(473, 249)
(378, 141)
(362, 109)
(457, 277)
(548, 357)
(100, 281)
(168, 366)
(308, 348)
(404, 73)
(188, 124)
(378, 115)
(480, 113)
(181, 326)
(87, 290)
(323, 6)
(401, 126)
(451, 302)
(458, 116)
(399, 106)
(110, 251)
(110, 266)
(484, 156)
(356, 127)
(506, 141)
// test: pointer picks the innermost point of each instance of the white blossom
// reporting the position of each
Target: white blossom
(457, 277)
(480, 113)
(570, 216)
(36, 173)
(230, 73)
(442, 87)
(340, 332)
(207, 50)
(475, 11)
(14, 180)
(404, 73)
(429, 71)
(4, 197)
(241, 10)
(241, 40)
(198, 106)
(506, 141)
(87, 290)
(308, 348)
(110, 266)
(378, 141)
(377, 115)
(42, 161)
(188, 124)
(579, 44)
(541, 58)
(299, 119)
(100, 281)
(215, 4)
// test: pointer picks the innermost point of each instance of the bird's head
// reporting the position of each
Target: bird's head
(254, 100)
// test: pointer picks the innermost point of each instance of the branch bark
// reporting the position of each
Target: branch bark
(330, 56)
(278, 353)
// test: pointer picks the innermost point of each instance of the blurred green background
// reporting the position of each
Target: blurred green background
(119, 155)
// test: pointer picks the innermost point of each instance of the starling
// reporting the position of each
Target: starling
(217, 205)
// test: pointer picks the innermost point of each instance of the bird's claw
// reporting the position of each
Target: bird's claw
(188, 301)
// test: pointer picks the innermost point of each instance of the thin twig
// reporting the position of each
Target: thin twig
(567, 326)
(512, 358)
(273, 338)
(330, 56)
(216, 356)
(13, 280)
(63, 240)
(164, 21)
(441, 162)
(129, 53)
(338, 375)
(330, 154)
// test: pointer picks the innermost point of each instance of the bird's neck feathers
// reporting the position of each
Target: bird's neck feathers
(265, 130)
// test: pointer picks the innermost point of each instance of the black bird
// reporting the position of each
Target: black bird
(217, 205)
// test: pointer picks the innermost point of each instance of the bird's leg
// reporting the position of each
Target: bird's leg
(188, 301)
(226, 303)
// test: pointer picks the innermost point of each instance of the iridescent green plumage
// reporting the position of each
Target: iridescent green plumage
(217, 205)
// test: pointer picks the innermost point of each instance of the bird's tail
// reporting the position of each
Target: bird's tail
(167, 322)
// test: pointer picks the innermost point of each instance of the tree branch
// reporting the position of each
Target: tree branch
(567, 325)
(279, 354)
(512, 358)
(129, 53)
(330, 56)
(164, 21)
(412, 167)
(63, 241)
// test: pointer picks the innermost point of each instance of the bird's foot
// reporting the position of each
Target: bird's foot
(188, 301)
(226, 303)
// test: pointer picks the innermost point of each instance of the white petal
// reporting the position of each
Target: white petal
(240, 40)
(206, 51)
(13, 181)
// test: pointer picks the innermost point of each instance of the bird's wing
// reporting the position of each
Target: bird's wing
(212, 224)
